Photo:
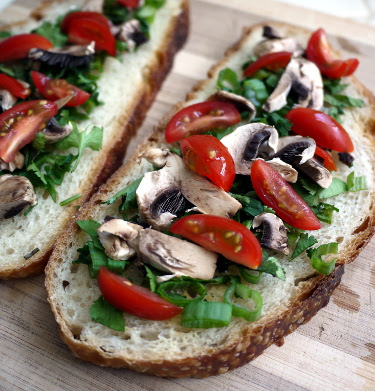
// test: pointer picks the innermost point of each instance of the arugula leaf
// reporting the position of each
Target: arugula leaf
(356, 183)
(305, 241)
(53, 33)
(80, 140)
(337, 187)
(228, 80)
(272, 266)
(106, 314)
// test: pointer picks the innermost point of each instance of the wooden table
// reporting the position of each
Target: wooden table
(334, 351)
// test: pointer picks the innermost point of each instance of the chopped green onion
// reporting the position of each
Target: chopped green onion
(206, 314)
(316, 258)
(168, 290)
(252, 276)
(244, 292)
(71, 199)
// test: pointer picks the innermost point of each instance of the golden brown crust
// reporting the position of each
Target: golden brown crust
(253, 339)
(176, 37)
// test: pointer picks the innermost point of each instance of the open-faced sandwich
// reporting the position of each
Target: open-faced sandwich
(76, 82)
(230, 226)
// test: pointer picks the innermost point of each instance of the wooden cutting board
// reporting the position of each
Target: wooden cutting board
(334, 351)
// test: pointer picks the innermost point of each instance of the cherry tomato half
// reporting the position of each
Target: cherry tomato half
(326, 132)
(84, 30)
(328, 162)
(128, 3)
(208, 157)
(83, 14)
(200, 118)
(20, 124)
(134, 299)
(270, 61)
(222, 235)
(54, 89)
(18, 46)
(319, 52)
(13, 86)
(276, 193)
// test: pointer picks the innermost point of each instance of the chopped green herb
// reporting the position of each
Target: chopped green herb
(356, 183)
(337, 187)
(228, 80)
(324, 212)
(53, 33)
(272, 266)
(71, 199)
(305, 241)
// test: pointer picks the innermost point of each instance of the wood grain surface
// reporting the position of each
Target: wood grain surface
(334, 351)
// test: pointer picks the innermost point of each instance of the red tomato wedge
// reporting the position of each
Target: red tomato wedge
(328, 162)
(200, 118)
(15, 87)
(18, 46)
(208, 157)
(82, 31)
(128, 3)
(54, 89)
(222, 235)
(276, 193)
(326, 132)
(271, 61)
(65, 24)
(134, 299)
(319, 52)
(20, 124)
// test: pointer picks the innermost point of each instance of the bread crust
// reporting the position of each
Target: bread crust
(113, 156)
(252, 339)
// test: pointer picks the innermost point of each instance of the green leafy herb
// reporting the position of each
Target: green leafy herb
(324, 212)
(256, 91)
(91, 228)
(106, 314)
(86, 139)
(272, 266)
(5, 34)
(317, 262)
(152, 278)
(356, 183)
(251, 206)
(305, 241)
(337, 187)
(176, 150)
(53, 33)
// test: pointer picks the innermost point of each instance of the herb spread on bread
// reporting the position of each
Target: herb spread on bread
(48, 85)
(257, 190)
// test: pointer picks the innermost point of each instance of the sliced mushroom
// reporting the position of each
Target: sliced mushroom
(249, 142)
(16, 193)
(295, 149)
(270, 32)
(66, 57)
(16, 163)
(278, 45)
(284, 169)
(317, 172)
(274, 232)
(304, 78)
(155, 156)
(131, 33)
(93, 6)
(176, 256)
(172, 189)
(54, 132)
(7, 100)
(119, 238)
(238, 101)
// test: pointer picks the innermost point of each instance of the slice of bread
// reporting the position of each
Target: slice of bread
(127, 89)
(165, 348)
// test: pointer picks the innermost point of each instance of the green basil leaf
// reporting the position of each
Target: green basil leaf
(106, 314)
